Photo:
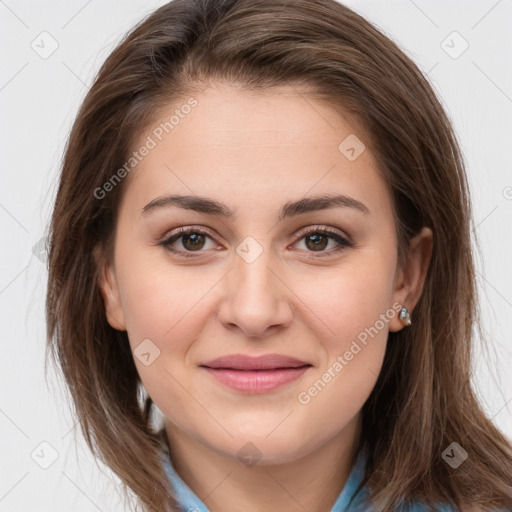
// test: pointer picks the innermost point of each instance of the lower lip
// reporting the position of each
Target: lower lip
(256, 381)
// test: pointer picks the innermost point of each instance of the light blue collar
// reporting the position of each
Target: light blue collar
(347, 501)
(191, 503)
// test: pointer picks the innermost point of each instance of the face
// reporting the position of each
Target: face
(267, 270)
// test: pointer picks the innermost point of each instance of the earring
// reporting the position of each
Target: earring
(405, 317)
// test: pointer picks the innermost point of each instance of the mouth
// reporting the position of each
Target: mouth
(255, 374)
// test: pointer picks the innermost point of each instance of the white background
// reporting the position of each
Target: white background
(38, 101)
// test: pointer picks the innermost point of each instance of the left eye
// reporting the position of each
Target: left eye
(318, 240)
(194, 240)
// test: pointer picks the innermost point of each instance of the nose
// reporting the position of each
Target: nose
(256, 299)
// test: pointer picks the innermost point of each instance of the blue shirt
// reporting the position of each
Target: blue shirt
(347, 501)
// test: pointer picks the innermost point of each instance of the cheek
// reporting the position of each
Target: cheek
(352, 311)
(349, 298)
(162, 301)
(168, 306)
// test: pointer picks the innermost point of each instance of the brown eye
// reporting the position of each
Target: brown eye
(193, 242)
(317, 242)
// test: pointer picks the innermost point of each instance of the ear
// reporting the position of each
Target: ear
(109, 289)
(410, 278)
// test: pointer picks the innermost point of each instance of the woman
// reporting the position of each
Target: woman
(262, 231)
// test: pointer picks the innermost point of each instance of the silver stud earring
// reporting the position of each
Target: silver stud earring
(405, 317)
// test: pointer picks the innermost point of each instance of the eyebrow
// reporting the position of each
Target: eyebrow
(289, 209)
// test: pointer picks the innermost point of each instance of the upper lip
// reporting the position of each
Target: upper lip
(265, 362)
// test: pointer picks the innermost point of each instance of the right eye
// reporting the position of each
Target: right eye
(193, 240)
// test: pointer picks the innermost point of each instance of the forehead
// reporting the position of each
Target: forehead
(256, 147)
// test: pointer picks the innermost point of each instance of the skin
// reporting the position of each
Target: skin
(253, 152)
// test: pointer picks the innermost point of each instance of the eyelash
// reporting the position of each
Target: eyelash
(344, 243)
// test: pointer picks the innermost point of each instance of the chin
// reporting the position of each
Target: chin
(260, 449)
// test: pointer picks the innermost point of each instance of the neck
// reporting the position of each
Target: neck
(222, 482)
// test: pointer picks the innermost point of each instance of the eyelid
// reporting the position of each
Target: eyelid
(167, 239)
(184, 230)
(343, 240)
(324, 229)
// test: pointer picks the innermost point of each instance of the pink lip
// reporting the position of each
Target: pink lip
(256, 381)
(255, 374)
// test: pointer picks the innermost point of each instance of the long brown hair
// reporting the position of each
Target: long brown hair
(423, 400)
